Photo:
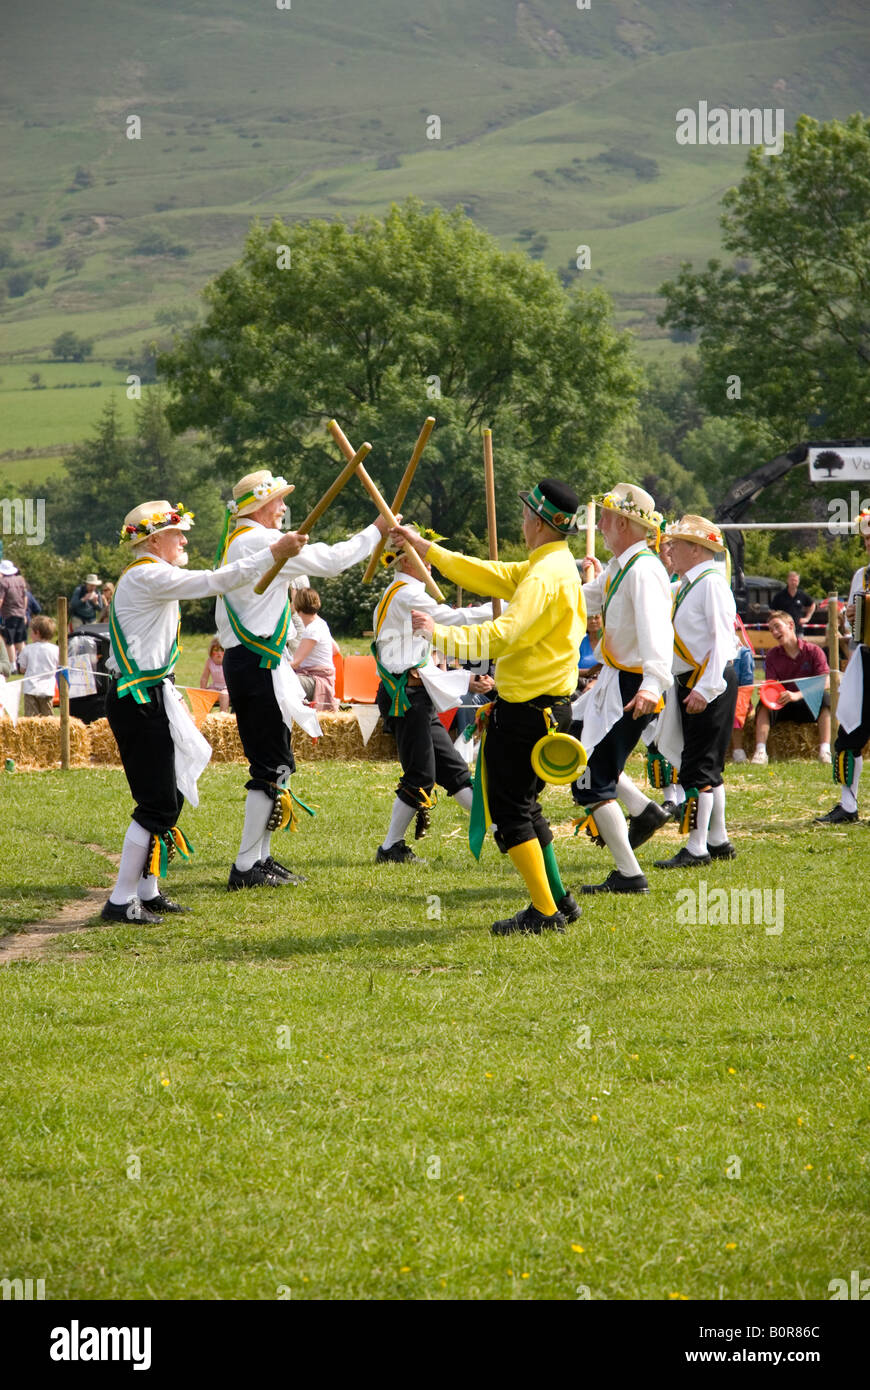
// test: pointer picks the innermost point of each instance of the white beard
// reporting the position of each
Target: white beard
(183, 560)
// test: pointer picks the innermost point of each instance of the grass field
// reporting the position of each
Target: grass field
(351, 1089)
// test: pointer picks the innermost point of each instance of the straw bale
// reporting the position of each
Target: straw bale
(35, 742)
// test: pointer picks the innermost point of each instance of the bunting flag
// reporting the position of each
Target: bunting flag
(10, 697)
(201, 701)
(813, 690)
(367, 717)
(62, 673)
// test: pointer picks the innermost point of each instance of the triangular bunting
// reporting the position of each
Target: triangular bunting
(201, 702)
(10, 698)
(367, 717)
(813, 690)
(62, 673)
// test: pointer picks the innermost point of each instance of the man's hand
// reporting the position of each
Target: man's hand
(788, 697)
(596, 567)
(401, 533)
(421, 622)
(695, 703)
(383, 525)
(481, 685)
(289, 545)
(850, 613)
(643, 703)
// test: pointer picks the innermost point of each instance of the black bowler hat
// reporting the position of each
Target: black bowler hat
(556, 503)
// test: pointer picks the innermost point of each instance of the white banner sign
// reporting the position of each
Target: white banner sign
(830, 464)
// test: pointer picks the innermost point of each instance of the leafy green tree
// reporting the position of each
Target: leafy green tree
(383, 322)
(793, 326)
(69, 347)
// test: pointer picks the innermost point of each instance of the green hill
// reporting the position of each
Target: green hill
(557, 129)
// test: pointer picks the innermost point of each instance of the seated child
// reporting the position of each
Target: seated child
(213, 671)
(312, 659)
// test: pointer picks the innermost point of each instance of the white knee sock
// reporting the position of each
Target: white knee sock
(133, 855)
(697, 841)
(717, 834)
(849, 795)
(670, 794)
(681, 793)
(631, 796)
(258, 809)
(148, 888)
(464, 796)
(614, 832)
(399, 821)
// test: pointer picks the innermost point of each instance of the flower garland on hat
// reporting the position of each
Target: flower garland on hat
(389, 557)
(157, 521)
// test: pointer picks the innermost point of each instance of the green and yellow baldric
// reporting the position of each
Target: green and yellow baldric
(698, 667)
(394, 685)
(132, 680)
(269, 649)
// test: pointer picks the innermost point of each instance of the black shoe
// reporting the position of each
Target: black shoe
(618, 883)
(131, 911)
(569, 907)
(399, 853)
(162, 904)
(673, 809)
(281, 871)
(530, 921)
(838, 817)
(642, 828)
(256, 877)
(684, 860)
(724, 851)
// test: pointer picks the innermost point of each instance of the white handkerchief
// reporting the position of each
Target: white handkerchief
(291, 699)
(192, 752)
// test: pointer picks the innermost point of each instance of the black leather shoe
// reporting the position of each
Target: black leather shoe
(673, 809)
(618, 883)
(683, 860)
(281, 871)
(838, 817)
(642, 828)
(131, 911)
(399, 853)
(256, 877)
(569, 907)
(162, 904)
(530, 921)
(724, 851)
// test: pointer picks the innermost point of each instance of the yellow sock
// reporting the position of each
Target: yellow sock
(528, 860)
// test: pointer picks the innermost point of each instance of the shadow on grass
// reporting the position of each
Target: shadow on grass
(280, 948)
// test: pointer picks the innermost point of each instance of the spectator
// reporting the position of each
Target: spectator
(85, 604)
(587, 666)
(39, 661)
(13, 609)
(34, 607)
(107, 593)
(792, 658)
(213, 672)
(312, 660)
(794, 601)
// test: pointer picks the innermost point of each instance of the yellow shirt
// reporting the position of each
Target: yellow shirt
(536, 642)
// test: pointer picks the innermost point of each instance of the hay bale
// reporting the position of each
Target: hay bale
(104, 749)
(35, 742)
(342, 740)
(786, 742)
(222, 732)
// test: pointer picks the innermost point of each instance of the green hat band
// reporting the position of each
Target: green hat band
(549, 512)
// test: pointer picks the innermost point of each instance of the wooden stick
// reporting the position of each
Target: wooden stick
(590, 530)
(346, 448)
(63, 685)
(491, 523)
(834, 659)
(317, 511)
(401, 492)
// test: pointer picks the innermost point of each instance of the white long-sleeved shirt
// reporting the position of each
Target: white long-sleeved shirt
(638, 631)
(860, 585)
(704, 626)
(146, 602)
(259, 613)
(399, 647)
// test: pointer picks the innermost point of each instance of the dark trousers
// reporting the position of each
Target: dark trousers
(148, 754)
(607, 763)
(265, 737)
(425, 749)
(513, 786)
(707, 735)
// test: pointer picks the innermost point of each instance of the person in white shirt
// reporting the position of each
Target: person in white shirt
(141, 706)
(312, 657)
(633, 596)
(409, 681)
(853, 705)
(696, 729)
(39, 661)
(264, 689)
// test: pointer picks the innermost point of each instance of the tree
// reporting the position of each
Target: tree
(19, 282)
(69, 347)
(383, 322)
(794, 326)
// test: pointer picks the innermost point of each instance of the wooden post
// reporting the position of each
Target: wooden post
(401, 492)
(834, 658)
(63, 685)
(491, 523)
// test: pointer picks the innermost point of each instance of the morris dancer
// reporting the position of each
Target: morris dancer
(151, 731)
(696, 729)
(264, 689)
(536, 642)
(633, 595)
(853, 704)
(408, 697)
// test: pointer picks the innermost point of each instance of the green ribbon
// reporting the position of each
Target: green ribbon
(479, 818)
(132, 680)
(269, 649)
(395, 685)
